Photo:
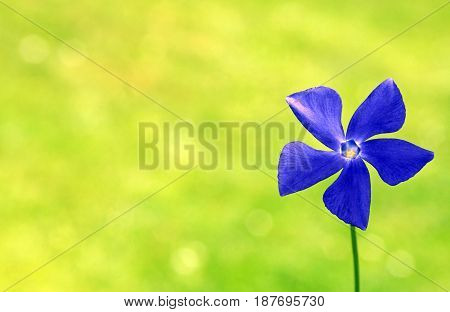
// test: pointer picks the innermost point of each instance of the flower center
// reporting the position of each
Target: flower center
(349, 149)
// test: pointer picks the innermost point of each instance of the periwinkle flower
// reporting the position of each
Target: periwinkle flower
(319, 110)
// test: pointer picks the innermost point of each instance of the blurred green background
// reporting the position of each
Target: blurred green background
(69, 145)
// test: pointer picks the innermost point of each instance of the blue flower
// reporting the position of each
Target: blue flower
(319, 110)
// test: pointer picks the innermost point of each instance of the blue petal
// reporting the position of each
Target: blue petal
(395, 160)
(319, 110)
(301, 166)
(349, 196)
(382, 112)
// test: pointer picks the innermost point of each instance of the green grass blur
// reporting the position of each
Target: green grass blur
(69, 141)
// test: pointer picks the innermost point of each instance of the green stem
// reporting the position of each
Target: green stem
(355, 257)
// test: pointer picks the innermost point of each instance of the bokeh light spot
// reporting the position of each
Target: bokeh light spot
(398, 269)
(259, 222)
(189, 258)
(33, 49)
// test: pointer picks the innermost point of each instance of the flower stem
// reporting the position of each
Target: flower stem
(355, 257)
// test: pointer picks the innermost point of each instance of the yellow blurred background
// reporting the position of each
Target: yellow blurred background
(69, 144)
